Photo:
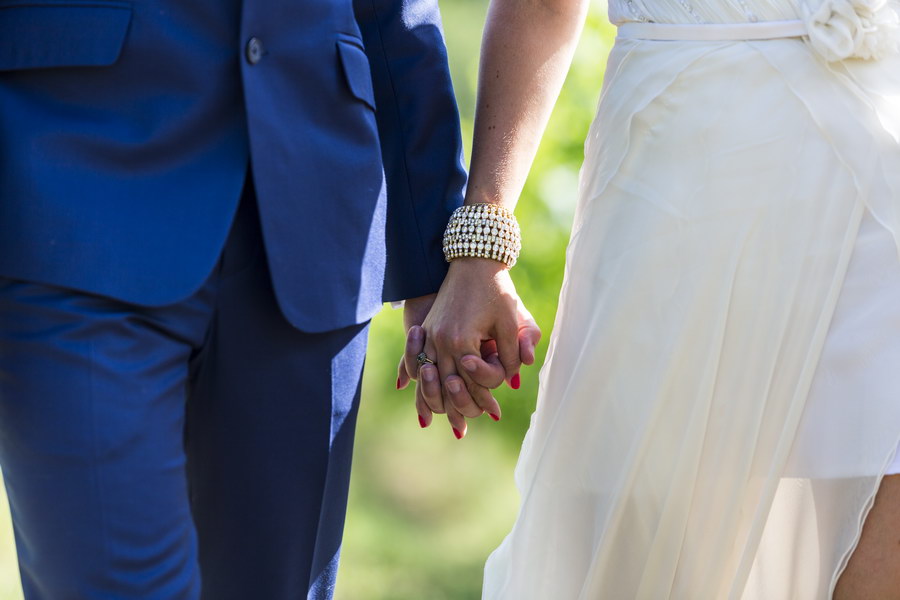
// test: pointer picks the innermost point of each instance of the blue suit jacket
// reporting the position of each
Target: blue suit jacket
(126, 128)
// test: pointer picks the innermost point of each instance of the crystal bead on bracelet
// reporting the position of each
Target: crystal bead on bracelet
(483, 231)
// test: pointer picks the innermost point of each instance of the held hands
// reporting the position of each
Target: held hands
(477, 332)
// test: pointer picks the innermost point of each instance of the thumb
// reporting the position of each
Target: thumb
(486, 373)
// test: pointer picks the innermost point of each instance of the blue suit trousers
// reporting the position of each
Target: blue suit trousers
(195, 450)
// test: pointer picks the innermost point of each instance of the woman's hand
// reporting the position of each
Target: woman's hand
(478, 333)
(414, 313)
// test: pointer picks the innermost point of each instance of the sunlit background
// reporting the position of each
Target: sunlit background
(426, 509)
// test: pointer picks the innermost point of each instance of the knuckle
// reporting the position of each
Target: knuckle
(440, 332)
(455, 387)
(436, 333)
(456, 340)
(413, 336)
(449, 401)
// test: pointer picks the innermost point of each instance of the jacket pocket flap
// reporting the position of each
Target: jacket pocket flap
(44, 34)
(356, 69)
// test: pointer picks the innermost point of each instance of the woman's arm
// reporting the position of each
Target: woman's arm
(526, 52)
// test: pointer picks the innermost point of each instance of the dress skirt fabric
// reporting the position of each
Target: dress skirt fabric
(711, 423)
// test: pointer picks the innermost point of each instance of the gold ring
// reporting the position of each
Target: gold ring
(423, 359)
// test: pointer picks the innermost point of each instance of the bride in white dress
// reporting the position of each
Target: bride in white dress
(721, 397)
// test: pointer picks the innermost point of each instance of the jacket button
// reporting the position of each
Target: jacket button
(254, 51)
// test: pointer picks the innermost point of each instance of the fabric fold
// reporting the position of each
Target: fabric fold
(722, 192)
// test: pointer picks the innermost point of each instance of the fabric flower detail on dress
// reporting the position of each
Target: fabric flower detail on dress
(841, 29)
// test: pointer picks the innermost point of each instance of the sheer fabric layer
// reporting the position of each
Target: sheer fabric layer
(669, 457)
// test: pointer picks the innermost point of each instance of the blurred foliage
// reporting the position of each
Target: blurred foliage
(426, 509)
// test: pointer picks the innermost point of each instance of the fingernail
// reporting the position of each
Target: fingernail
(469, 364)
(515, 382)
(453, 386)
(457, 433)
(398, 383)
(422, 422)
(494, 417)
(428, 374)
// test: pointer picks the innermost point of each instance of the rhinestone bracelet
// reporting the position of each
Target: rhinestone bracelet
(484, 231)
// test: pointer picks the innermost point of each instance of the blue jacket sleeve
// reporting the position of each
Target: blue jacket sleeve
(421, 144)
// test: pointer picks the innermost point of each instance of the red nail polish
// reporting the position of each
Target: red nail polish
(515, 382)
(494, 417)
(457, 433)
(422, 422)
(398, 383)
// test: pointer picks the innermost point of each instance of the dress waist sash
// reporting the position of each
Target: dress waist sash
(712, 32)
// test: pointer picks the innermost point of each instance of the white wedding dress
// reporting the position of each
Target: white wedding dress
(721, 396)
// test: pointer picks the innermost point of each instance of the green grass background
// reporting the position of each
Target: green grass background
(426, 509)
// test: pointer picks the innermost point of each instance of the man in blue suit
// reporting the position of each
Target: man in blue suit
(200, 211)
